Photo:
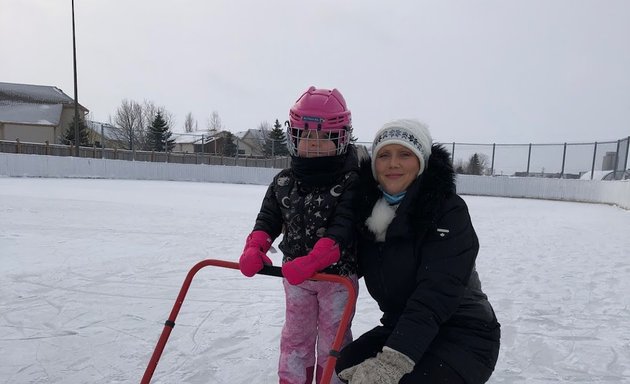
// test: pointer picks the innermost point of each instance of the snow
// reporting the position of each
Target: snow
(91, 268)
(28, 113)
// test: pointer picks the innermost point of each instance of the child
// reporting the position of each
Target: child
(311, 204)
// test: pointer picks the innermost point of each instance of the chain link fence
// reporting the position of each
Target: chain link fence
(599, 160)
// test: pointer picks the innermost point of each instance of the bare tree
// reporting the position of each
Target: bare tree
(484, 162)
(214, 123)
(265, 127)
(129, 124)
(189, 123)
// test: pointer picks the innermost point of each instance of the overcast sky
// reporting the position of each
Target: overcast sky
(476, 71)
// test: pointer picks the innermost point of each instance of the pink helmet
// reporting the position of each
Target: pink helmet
(321, 110)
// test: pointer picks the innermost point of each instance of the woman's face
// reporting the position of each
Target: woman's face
(315, 144)
(396, 168)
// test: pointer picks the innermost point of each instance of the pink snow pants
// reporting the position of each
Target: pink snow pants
(313, 314)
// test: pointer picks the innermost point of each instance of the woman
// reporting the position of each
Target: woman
(417, 252)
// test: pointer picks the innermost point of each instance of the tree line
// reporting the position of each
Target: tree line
(477, 164)
(146, 126)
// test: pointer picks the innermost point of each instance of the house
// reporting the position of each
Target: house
(106, 134)
(35, 113)
(251, 142)
(185, 142)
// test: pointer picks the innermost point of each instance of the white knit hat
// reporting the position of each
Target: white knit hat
(406, 132)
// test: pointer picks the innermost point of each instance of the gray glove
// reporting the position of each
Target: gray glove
(388, 367)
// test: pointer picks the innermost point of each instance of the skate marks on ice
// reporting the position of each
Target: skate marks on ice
(91, 269)
(558, 290)
(232, 335)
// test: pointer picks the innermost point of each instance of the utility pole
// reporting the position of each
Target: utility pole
(76, 92)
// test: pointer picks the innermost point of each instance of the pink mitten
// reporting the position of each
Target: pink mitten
(254, 255)
(324, 253)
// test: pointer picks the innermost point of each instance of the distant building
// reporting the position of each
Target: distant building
(251, 142)
(35, 113)
(186, 142)
(104, 135)
(213, 144)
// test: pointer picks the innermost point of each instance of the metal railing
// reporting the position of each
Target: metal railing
(151, 156)
(563, 160)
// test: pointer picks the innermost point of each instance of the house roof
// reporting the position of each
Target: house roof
(109, 131)
(258, 134)
(32, 104)
(190, 138)
(12, 93)
(31, 114)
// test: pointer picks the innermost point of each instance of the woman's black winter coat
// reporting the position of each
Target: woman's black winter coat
(423, 276)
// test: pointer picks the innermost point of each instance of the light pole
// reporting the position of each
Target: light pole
(102, 142)
(76, 92)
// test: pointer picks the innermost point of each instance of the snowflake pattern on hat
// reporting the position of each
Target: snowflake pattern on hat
(398, 133)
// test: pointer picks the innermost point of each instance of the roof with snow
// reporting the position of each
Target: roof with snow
(32, 104)
(109, 131)
(31, 114)
(189, 138)
(37, 94)
(254, 133)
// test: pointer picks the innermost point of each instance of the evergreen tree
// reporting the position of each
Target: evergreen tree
(475, 166)
(229, 146)
(159, 135)
(276, 142)
(68, 136)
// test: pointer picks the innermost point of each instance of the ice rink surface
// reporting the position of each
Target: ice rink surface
(90, 269)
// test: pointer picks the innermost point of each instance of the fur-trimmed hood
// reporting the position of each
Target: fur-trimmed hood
(424, 195)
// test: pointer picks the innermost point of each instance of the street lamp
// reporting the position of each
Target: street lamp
(76, 92)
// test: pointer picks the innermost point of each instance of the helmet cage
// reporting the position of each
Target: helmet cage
(317, 139)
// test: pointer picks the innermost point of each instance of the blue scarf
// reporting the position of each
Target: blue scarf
(393, 199)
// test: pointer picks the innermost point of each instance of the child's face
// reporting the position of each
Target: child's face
(315, 144)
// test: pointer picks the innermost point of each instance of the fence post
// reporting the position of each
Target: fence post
(625, 163)
(47, 149)
(18, 146)
(529, 158)
(453, 154)
(616, 161)
(564, 156)
(494, 145)
(594, 157)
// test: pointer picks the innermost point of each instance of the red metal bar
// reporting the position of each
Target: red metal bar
(270, 271)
